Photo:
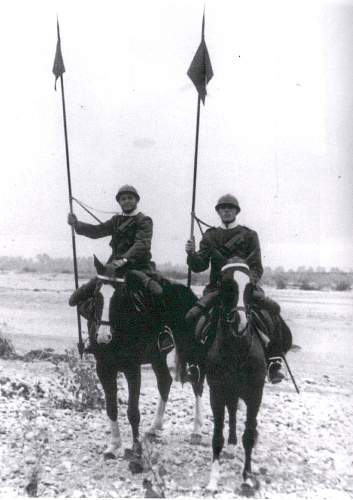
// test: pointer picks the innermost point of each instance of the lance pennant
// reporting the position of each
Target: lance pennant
(58, 68)
(200, 71)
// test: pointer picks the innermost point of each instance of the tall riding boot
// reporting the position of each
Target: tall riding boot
(91, 343)
(262, 302)
(202, 306)
(165, 339)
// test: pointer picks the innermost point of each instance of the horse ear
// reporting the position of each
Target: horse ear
(100, 268)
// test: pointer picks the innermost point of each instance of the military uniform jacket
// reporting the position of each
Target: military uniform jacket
(239, 241)
(131, 237)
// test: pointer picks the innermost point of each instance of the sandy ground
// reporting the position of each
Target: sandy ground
(305, 441)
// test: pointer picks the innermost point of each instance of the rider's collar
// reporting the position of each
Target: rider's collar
(231, 225)
(130, 214)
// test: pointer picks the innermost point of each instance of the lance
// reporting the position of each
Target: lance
(58, 70)
(200, 72)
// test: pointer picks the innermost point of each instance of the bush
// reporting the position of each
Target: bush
(79, 379)
(343, 286)
(28, 269)
(281, 284)
(7, 350)
(305, 285)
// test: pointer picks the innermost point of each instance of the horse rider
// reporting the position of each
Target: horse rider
(216, 246)
(131, 235)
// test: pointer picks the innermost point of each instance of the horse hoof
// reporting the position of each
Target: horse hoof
(211, 488)
(153, 435)
(195, 438)
(136, 466)
(109, 455)
(250, 485)
(128, 453)
(229, 451)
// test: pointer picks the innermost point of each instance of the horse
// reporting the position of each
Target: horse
(124, 327)
(235, 369)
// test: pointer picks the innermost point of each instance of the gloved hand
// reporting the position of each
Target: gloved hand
(190, 246)
(71, 219)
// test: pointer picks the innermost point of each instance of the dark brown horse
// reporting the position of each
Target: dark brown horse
(125, 330)
(235, 369)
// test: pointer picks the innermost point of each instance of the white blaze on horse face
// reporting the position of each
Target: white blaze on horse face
(104, 335)
(242, 280)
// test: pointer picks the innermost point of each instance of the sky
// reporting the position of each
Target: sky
(276, 129)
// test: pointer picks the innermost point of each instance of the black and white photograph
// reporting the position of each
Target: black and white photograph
(176, 249)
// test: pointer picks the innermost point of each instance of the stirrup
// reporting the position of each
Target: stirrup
(274, 360)
(167, 331)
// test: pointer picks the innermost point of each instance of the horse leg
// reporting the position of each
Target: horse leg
(198, 417)
(218, 406)
(133, 377)
(229, 452)
(164, 381)
(107, 376)
(253, 402)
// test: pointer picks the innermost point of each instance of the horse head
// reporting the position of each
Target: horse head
(235, 285)
(108, 282)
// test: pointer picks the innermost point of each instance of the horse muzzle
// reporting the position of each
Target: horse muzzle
(104, 334)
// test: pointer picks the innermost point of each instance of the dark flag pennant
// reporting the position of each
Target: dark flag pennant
(58, 68)
(200, 71)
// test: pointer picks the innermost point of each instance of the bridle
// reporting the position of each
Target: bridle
(230, 269)
(103, 280)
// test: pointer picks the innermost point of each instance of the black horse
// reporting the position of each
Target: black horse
(235, 368)
(125, 330)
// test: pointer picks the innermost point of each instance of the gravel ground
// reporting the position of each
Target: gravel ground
(303, 449)
(50, 447)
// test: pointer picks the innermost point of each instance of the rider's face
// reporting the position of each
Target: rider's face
(128, 202)
(227, 213)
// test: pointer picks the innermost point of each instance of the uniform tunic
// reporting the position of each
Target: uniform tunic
(238, 241)
(131, 238)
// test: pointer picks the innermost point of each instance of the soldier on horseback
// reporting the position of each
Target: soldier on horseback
(131, 233)
(217, 245)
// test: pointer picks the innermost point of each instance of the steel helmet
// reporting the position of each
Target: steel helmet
(127, 189)
(228, 199)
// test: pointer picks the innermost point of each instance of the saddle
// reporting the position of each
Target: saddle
(269, 325)
(273, 331)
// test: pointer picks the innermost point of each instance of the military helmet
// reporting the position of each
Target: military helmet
(228, 199)
(127, 189)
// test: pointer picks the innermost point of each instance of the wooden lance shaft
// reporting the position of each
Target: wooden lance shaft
(80, 342)
(194, 180)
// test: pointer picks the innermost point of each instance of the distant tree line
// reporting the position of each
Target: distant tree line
(305, 278)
